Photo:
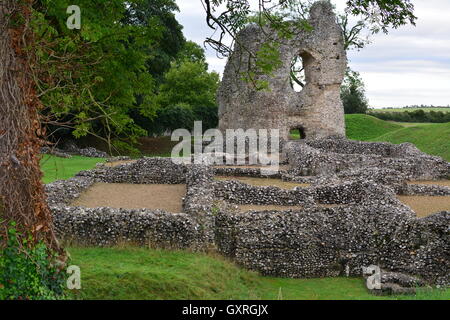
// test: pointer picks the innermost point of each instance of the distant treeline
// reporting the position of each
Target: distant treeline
(412, 116)
(416, 106)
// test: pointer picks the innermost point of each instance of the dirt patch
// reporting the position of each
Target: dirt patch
(330, 205)
(263, 182)
(133, 196)
(117, 163)
(248, 207)
(424, 206)
(251, 167)
(445, 183)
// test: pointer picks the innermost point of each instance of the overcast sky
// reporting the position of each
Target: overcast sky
(408, 66)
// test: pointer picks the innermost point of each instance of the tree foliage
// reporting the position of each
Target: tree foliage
(163, 52)
(125, 71)
(228, 17)
(353, 93)
(192, 52)
(413, 116)
(188, 85)
(384, 14)
(91, 81)
(173, 117)
(29, 272)
(130, 64)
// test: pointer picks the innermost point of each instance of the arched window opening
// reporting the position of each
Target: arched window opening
(298, 77)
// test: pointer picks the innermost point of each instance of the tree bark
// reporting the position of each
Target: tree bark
(22, 195)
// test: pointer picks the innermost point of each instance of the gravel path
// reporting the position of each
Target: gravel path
(426, 205)
(262, 182)
(133, 196)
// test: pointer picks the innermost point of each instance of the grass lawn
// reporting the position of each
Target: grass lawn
(140, 273)
(432, 138)
(443, 109)
(364, 127)
(56, 168)
(411, 124)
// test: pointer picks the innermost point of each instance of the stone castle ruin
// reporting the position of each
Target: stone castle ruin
(344, 214)
(317, 110)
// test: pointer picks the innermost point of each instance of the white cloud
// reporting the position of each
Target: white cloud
(193, 18)
(411, 65)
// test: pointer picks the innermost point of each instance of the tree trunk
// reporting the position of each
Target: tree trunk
(22, 195)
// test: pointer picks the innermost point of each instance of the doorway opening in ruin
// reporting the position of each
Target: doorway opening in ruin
(297, 133)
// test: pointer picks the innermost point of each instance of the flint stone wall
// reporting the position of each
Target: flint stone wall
(71, 148)
(338, 241)
(369, 227)
(332, 156)
(199, 201)
(155, 228)
(248, 172)
(425, 190)
(108, 226)
(143, 171)
(344, 193)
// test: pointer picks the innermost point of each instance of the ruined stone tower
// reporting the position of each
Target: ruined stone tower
(317, 110)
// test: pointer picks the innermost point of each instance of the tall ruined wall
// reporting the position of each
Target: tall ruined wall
(317, 110)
